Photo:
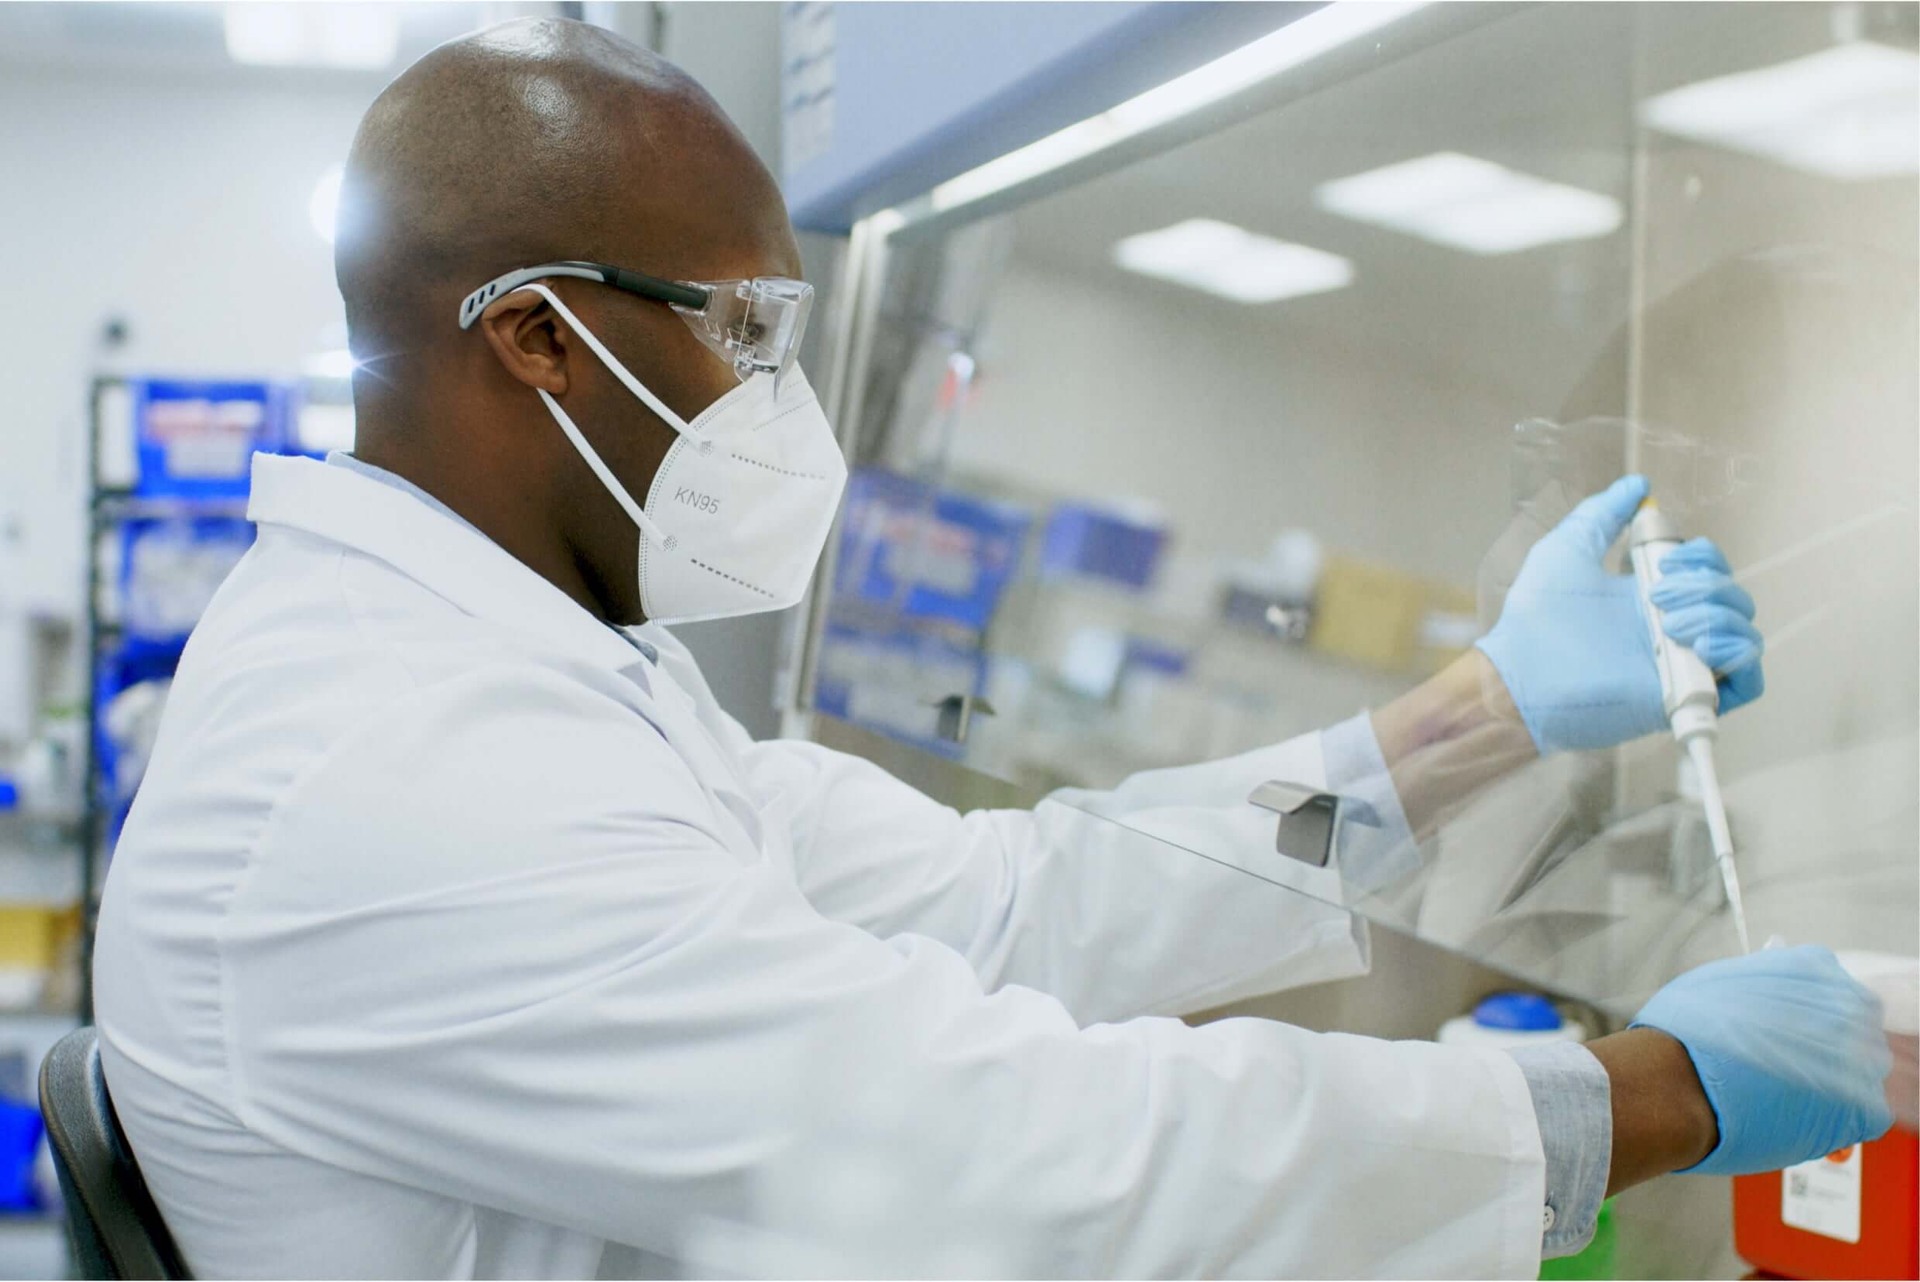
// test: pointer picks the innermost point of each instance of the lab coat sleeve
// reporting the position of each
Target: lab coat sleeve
(1118, 903)
(472, 958)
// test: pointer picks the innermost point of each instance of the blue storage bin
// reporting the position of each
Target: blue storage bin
(127, 664)
(197, 439)
(1096, 543)
(20, 1133)
(170, 567)
(942, 555)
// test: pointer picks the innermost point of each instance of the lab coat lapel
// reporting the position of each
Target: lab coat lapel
(449, 560)
(483, 580)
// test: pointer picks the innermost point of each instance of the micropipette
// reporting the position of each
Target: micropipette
(1691, 696)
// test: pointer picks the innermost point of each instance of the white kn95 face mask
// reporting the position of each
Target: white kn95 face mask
(742, 503)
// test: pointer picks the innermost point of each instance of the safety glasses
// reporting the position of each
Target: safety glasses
(754, 325)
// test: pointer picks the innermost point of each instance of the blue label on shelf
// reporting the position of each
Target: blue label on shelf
(938, 554)
(197, 439)
(1090, 542)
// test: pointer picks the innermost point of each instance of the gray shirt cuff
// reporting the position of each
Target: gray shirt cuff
(1370, 857)
(1573, 1104)
(1572, 1098)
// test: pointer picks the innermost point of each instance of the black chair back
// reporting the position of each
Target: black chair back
(113, 1226)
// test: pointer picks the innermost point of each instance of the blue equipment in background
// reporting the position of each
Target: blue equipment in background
(197, 439)
(918, 575)
(1085, 541)
(20, 1133)
(167, 503)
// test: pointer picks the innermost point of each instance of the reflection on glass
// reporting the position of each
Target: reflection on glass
(1130, 479)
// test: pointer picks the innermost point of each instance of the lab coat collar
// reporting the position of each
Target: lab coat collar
(456, 563)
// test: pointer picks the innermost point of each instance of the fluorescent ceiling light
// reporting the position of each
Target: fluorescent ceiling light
(1468, 203)
(1298, 42)
(1232, 262)
(361, 36)
(1850, 112)
(323, 207)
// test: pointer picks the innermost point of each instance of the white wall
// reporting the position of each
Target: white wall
(1099, 392)
(180, 207)
(178, 204)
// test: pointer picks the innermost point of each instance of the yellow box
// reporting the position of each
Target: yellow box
(32, 936)
(1367, 613)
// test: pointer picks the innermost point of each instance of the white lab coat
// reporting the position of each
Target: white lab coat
(449, 937)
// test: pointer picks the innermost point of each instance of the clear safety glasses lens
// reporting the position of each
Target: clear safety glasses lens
(755, 325)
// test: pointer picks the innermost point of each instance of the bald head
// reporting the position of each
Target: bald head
(532, 141)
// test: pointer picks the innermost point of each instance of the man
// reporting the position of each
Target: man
(457, 932)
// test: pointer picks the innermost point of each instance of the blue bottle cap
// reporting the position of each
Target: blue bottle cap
(1519, 1012)
(9, 793)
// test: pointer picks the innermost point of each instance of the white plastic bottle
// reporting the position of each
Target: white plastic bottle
(1508, 1021)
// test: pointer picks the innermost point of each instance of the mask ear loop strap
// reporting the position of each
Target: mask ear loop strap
(608, 359)
(601, 470)
(637, 513)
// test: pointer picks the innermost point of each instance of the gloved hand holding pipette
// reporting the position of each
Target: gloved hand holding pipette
(1689, 690)
(1574, 659)
(1593, 658)
(1702, 608)
(1572, 643)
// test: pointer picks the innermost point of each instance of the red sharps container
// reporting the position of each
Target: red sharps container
(1855, 1213)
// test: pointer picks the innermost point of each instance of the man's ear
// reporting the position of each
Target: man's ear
(524, 333)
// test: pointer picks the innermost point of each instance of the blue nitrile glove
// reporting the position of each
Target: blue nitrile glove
(1573, 650)
(1790, 1050)
(1701, 606)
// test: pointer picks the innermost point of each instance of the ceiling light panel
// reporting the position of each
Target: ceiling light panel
(1851, 112)
(1471, 204)
(1231, 262)
(353, 36)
